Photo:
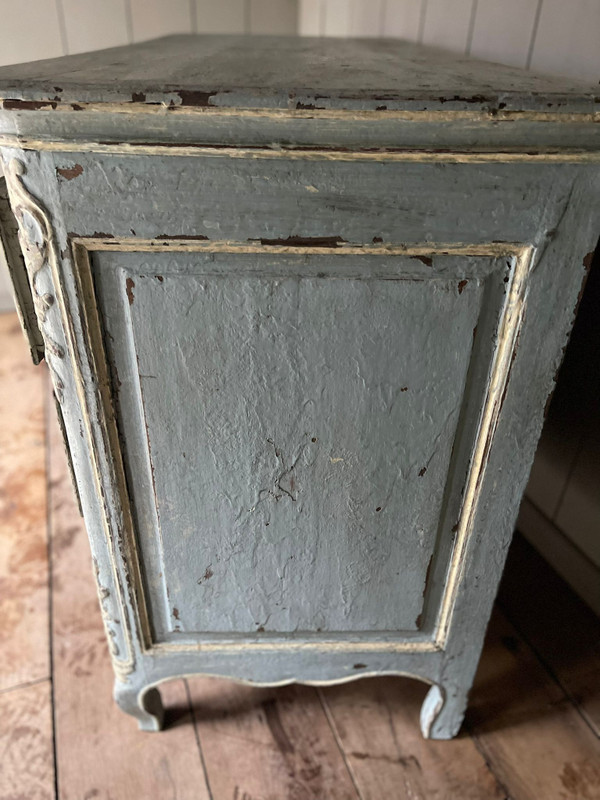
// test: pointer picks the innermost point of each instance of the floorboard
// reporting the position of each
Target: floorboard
(267, 744)
(530, 733)
(377, 723)
(26, 753)
(24, 641)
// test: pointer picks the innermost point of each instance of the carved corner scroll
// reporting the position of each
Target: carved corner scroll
(39, 251)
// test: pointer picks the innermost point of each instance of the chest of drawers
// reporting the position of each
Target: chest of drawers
(302, 302)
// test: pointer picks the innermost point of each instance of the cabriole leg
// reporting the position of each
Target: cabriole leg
(143, 704)
(442, 712)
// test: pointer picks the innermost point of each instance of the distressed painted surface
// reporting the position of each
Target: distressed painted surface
(299, 431)
(298, 355)
(358, 202)
(269, 72)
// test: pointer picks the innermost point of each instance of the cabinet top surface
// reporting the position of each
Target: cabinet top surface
(287, 72)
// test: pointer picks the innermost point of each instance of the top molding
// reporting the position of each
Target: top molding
(291, 73)
(379, 99)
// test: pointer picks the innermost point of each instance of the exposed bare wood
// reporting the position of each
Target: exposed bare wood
(23, 543)
(267, 743)
(377, 723)
(562, 156)
(26, 758)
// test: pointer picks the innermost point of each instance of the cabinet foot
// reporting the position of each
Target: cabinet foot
(142, 703)
(442, 713)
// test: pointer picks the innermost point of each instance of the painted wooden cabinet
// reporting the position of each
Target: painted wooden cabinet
(302, 302)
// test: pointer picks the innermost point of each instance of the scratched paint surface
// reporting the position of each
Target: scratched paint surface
(299, 435)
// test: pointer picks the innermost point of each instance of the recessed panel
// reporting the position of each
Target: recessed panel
(288, 427)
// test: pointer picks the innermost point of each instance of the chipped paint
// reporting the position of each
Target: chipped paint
(69, 173)
(129, 287)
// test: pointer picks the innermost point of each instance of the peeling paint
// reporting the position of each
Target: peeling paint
(196, 98)
(68, 173)
(304, 241)
(129, 286)
(427, 260)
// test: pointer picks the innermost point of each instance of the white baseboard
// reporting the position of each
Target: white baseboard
(566, 558)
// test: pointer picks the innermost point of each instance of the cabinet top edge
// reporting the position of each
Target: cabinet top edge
(202, 72)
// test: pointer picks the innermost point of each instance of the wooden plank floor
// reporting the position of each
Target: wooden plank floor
(532, 730)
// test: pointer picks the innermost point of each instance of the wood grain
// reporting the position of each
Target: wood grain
(273, 16)
(226, 16)
(267, 743)
(525, 725)
(560, 627)
(26, 757)
(24, 654)
(377, 723)
(113, 759)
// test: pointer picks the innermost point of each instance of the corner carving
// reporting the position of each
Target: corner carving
(122, 668)
(36, 238)
(42, 260)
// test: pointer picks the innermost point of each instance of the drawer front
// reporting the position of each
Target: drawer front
(307, 362)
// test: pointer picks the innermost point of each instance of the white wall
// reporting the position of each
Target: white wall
(48, 28)
(559, 37)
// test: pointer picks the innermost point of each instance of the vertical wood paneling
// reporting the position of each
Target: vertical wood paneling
(402, 19)
(274, 16)
(447, 24)
(91, 25)
(29, 32)
(568, 39)
(502, 31)
(367, 17)
(337, 18)
(226, 16)
(309, 16)
(153, 18)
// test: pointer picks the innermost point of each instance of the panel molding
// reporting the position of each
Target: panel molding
(384, 155)
(511, 316)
